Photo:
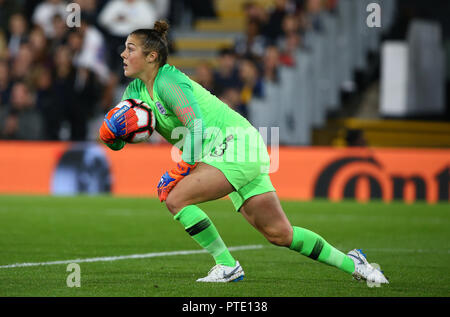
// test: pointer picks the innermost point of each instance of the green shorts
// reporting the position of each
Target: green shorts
(257, 186)
(246, 167)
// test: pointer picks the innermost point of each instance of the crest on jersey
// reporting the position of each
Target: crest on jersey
(160, 107)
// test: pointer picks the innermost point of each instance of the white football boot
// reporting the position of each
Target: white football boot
(363, 269)
(222, 274)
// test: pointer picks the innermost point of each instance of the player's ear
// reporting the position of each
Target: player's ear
(151, 57)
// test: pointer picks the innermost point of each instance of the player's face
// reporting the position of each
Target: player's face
(133, 58)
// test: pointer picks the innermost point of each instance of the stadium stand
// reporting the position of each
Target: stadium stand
(303, 66)
(386, 133)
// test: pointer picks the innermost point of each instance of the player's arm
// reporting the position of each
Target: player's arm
(117, 145)
(179, 97)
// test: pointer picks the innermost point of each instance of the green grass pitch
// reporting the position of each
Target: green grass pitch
(409, 241)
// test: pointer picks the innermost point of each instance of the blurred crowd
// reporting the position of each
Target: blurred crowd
(58, 69)
(270, 40)
(57, 75)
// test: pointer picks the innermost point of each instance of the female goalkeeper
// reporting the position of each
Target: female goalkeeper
(222, 154)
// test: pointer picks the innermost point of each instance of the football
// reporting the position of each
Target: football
(146, 120)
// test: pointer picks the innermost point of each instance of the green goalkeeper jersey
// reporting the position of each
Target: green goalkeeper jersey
(187, 115)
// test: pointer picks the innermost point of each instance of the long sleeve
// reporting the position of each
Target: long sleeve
(117, 145)
(179, 97)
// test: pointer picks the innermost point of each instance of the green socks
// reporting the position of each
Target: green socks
(314, 246)
(202, 230)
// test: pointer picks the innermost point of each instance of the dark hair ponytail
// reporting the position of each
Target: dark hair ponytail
(161, 27)
(155, 40)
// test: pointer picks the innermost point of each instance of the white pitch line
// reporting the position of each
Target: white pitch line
(126, 257)
(400, 250)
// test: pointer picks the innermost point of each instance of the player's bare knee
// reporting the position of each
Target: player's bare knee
(173, 204)
(278, 237)
(277, 240)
